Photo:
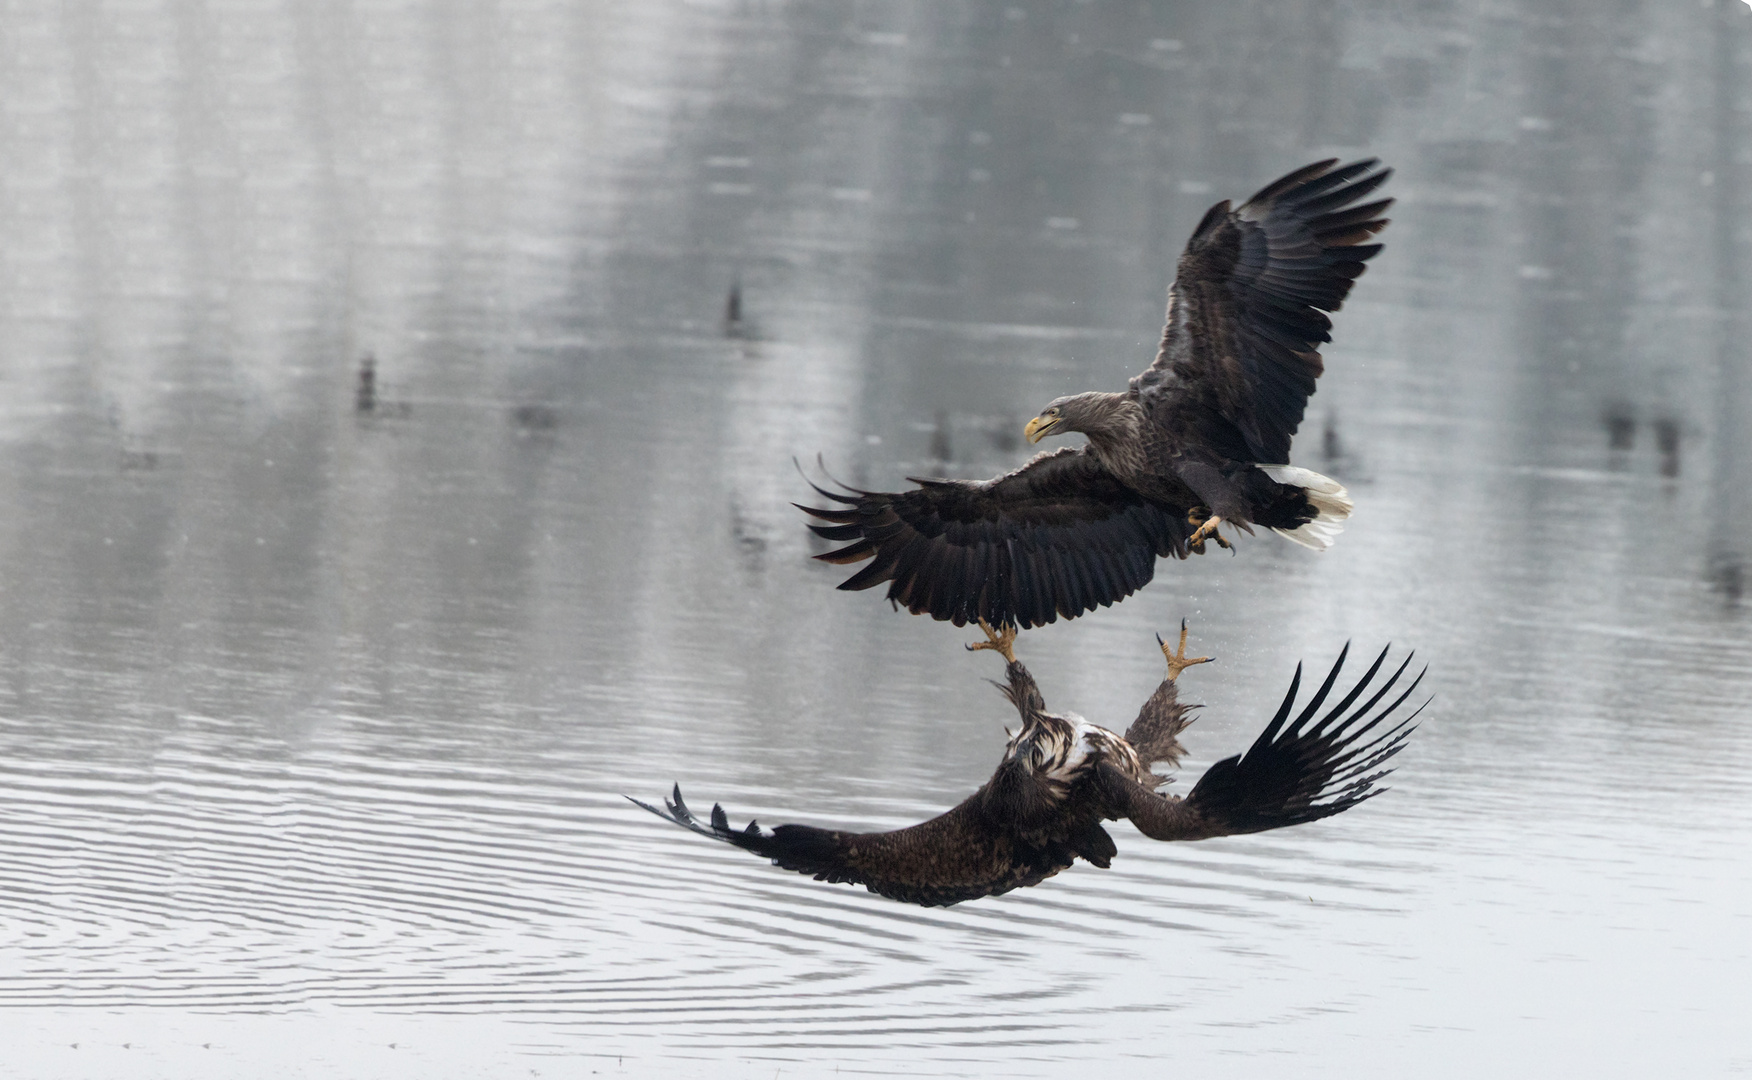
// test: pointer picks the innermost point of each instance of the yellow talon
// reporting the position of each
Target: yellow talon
(999, 640)
(1177, 660)
(1206, 529)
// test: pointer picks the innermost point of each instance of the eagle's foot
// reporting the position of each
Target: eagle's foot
(1178, 660)
(1207, 529)
(999, 640)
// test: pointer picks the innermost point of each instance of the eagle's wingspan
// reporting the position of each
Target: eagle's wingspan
(1294, 772)
(1059, 536)
(959, 855)
(1245, 318)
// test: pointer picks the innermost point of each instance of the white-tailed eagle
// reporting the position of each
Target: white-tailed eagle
(1200, 438)
(1062, 776)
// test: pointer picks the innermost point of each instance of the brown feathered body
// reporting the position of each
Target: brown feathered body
(1204, 431)
(1061, 777)
(1173, 460)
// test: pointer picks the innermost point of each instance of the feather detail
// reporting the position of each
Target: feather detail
(1246, 312)
(1332, 505)
(1061, 776)
(1057, 538)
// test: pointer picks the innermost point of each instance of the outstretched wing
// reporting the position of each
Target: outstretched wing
(1057, 537)
(1245, 312)
(1296, 771)
(953, 857)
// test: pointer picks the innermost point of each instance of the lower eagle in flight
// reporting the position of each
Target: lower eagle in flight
(1199, 438)
(1062, 776)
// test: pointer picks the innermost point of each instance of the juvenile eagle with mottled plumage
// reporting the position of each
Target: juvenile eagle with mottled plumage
(1062, 776)
(1200, 438)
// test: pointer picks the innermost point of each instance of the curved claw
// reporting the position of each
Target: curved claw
(999, 640)
(1178, 660)
(1207, 529)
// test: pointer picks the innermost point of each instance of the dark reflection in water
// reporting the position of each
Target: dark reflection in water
(396, 456)
(1733, 526)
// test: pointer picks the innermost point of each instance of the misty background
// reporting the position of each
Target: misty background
(319, 694)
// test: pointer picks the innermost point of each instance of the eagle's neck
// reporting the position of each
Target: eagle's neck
(1116, 439)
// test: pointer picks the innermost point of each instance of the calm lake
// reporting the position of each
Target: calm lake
(316, 721)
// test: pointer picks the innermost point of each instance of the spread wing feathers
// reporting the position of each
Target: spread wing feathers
(1246, 310)
(1296, 771)
(1059, 536)
(963, 854)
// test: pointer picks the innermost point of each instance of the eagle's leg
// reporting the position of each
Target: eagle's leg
(999, 640)
(1207, 528)
(1177, 660)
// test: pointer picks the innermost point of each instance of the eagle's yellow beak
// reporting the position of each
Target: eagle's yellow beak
(1039, 428)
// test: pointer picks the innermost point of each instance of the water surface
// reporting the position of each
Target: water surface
(315, 724)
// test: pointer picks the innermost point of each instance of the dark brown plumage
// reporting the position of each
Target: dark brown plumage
(1062, 776)
(1199, 438)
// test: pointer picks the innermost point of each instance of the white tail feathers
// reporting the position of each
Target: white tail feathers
(1331, 501)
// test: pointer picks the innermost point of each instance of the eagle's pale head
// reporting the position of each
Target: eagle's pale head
(1090, 413)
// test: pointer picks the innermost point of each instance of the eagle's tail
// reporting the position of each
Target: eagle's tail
(1331, 502)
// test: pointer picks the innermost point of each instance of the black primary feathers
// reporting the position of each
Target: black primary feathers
(1199, 439)
(1295, 772)
(1057, 537)
(1034, 818)
(1184, 444)
(1246, 310)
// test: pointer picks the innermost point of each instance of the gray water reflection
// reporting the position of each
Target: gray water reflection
(314, 721)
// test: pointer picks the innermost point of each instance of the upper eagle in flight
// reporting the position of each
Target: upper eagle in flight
(1200, 438)
(1062, 776)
